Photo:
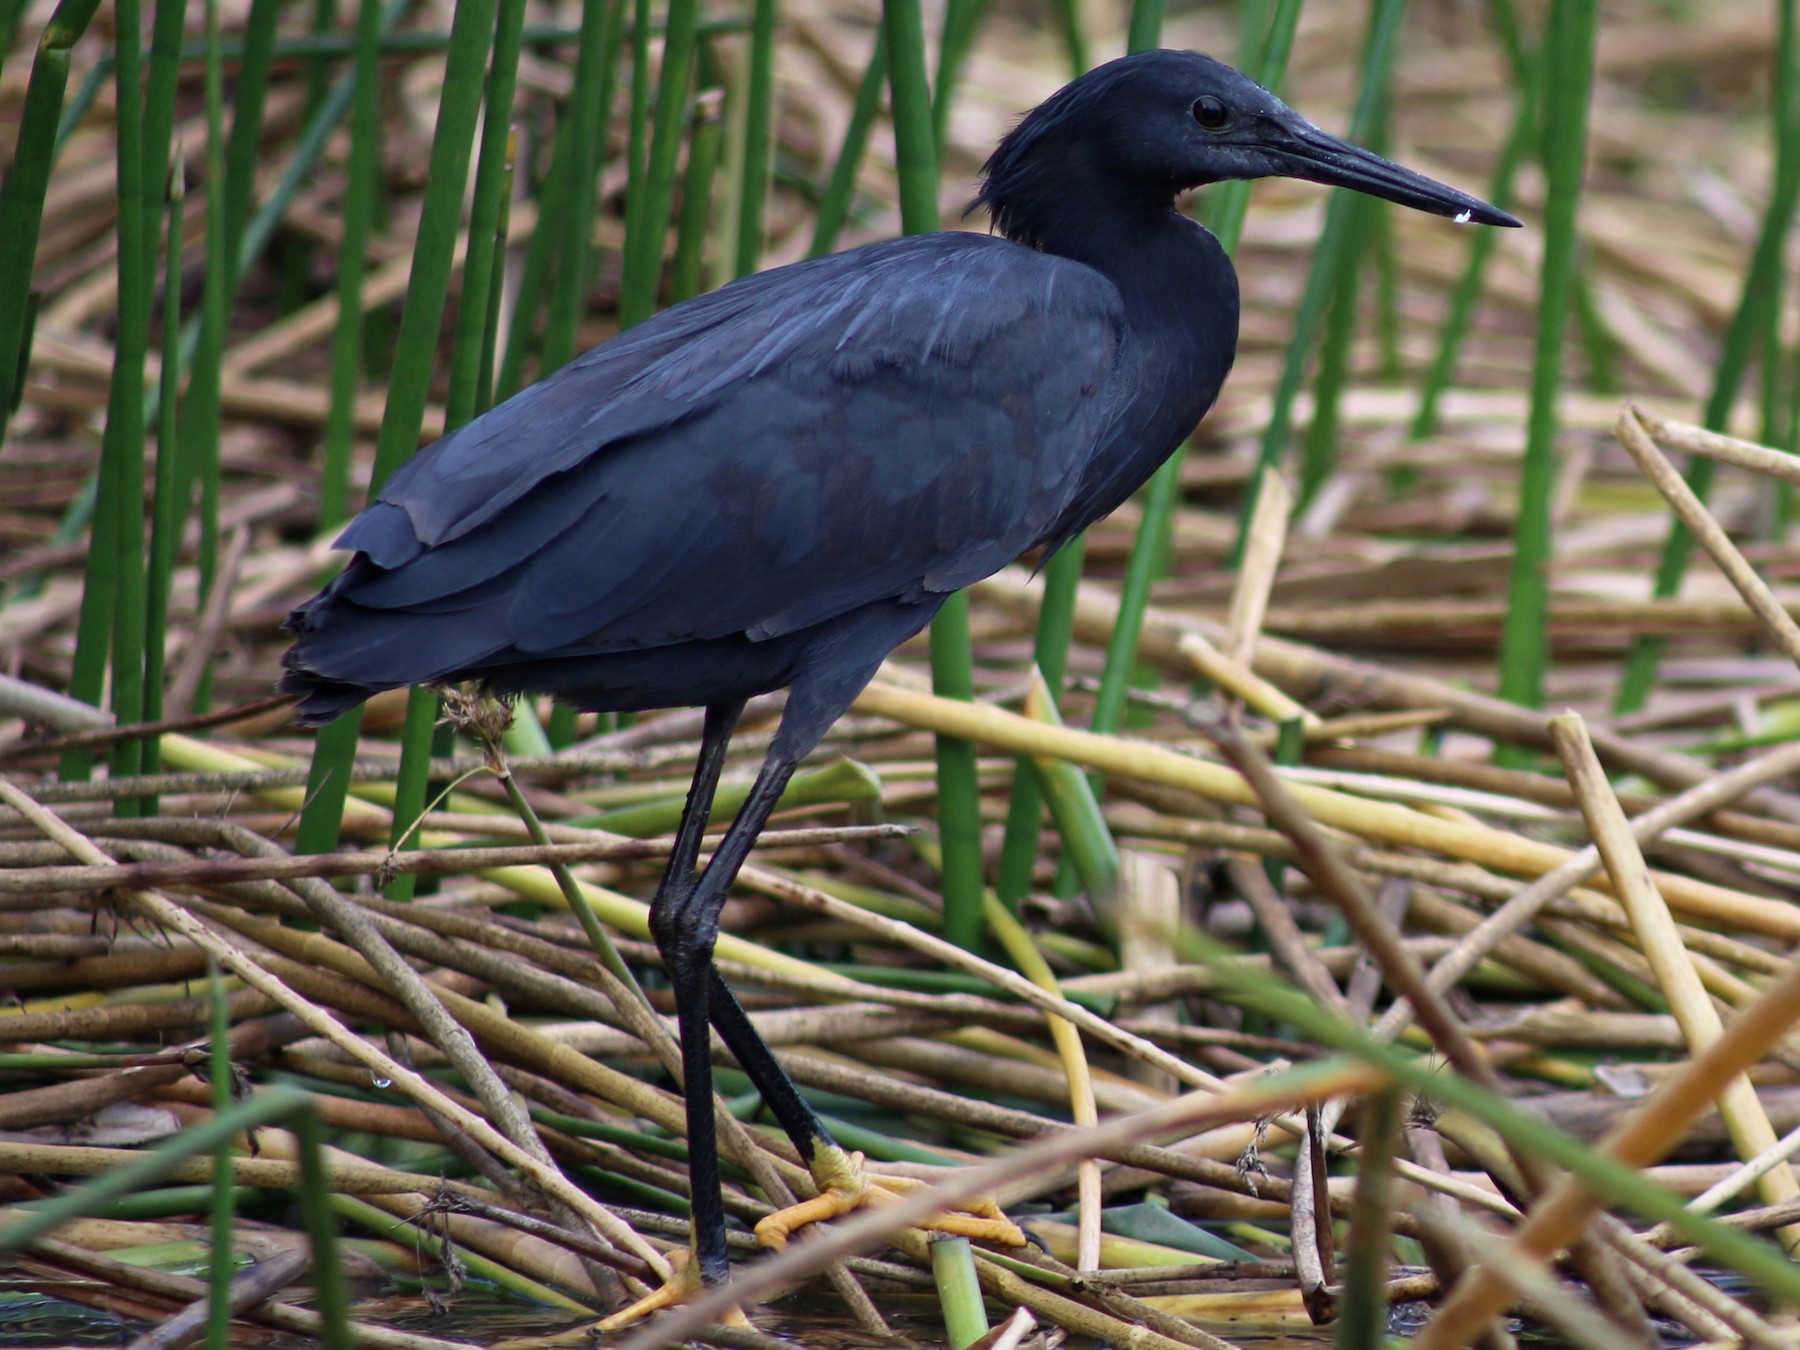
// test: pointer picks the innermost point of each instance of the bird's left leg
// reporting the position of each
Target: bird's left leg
(684, 927)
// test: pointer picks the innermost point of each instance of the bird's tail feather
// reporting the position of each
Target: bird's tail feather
(322, 699)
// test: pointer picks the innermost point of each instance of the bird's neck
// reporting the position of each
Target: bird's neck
(1179, 288)
(1161, 261)
(1181, 309)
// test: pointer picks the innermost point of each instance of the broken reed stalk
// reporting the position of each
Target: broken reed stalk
(1709, 534)
(1657, 1124)
(1662, 946)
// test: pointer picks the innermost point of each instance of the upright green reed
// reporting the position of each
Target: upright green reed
(162, 187)
(493, 180)
(602, 30)
(472, 33)
(357, 212)
(22, 191)
(224, 1196)
(1757, 307)
(166, 513)
(159, 111)
(1467, 293)
(961, 19)
(840, 188)
(952, 666)
(1568, 67)
(1336, 254)
(223, 273)
(758, 131)
(112, 617)
(123, 449)
(1363, 220)
(637, 129)
(1776, 371)
(1362, 1322)
(649, 202)
(706, 131)
(1068, 21)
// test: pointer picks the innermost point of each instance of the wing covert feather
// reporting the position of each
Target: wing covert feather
(893, 421)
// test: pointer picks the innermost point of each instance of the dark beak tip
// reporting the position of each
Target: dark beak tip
(1493, 215)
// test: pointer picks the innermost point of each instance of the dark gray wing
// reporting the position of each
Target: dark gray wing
(885, 423)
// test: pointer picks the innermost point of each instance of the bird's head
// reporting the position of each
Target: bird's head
(1147, 127)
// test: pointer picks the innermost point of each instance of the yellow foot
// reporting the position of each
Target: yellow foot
(683, 1284)
(844, 1185)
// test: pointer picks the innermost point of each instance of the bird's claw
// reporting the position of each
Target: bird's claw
(845, 1185)
(684, 1283)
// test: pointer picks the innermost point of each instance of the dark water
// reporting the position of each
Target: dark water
(32, 1318)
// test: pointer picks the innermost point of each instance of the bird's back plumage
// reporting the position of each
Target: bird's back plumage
(883, 425)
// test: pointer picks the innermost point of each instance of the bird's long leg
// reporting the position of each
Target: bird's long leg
(843, 1183)
(684, 923)
(721, 722)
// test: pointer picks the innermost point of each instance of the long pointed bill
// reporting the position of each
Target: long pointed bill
(1320, 157)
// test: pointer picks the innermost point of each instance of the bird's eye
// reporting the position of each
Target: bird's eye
(1210, 112)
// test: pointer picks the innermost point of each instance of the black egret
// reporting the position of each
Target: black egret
(775, 484)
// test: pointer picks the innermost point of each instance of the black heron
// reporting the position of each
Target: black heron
(775, 484)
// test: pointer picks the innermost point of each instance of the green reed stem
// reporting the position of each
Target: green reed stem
(1074, 36)
(1363, 217)
(1778, 427)
(637, 131)
(1335, 252)
(961, 19)
(409, 383)
(223, 1209)
(22, 191)
(705, 135)
(160, 188)
(1567, 66)
(362, 193)
(1050, 650)
(123, 446)
(840, 188)
(647, 212)
(1363, 1307)
(493, 176)
(1145, 28)
(1467, 294)
(493, 180)
(166, 516)
(1761, 293)
(596, 59)
(753, 161)
(959, 1291)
